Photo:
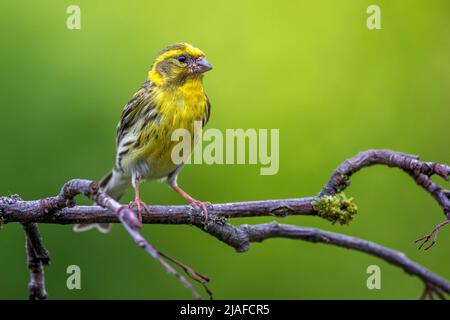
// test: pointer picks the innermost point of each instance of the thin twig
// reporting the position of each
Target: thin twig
(203, 280)
(433, 233)
(432, 292)
(141, 242)
(128, 219)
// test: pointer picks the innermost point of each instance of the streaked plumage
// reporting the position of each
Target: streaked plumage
(173, 97)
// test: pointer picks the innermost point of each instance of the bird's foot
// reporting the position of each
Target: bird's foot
(141, 207)
(203, 205)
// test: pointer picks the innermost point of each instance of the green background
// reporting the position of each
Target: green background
(310, 68)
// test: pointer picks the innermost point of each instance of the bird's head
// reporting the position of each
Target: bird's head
(178, 63)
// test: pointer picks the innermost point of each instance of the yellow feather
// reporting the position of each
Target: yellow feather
(178, 108)
(155, 77)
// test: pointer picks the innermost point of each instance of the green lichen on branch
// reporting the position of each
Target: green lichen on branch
(335, 208)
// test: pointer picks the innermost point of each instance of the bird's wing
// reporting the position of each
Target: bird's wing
(139, 104)
(208, 111)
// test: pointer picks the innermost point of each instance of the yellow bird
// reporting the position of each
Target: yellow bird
(172, 98)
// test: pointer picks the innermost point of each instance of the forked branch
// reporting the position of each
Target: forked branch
(330, 204)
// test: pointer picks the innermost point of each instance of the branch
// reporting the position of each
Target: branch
(128, 219)
(37, 258)
(420, 171)
(330, 204)
(245, 234)
(38, 211)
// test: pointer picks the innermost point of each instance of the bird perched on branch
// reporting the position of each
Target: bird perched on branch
(172, 98)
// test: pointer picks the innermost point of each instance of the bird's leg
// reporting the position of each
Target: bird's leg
(195, 203)
(137, 202)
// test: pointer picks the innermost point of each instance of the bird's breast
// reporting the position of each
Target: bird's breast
(175, 110)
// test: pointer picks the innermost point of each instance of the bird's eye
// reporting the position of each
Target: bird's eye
(182, 58)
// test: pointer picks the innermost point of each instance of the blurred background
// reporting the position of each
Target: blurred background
(310, 68)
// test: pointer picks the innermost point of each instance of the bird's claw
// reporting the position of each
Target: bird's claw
(203, 205)
(141, 207)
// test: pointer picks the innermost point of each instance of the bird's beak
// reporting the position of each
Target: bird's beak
(201, 65)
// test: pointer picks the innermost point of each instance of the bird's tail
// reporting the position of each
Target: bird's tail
(113, 184)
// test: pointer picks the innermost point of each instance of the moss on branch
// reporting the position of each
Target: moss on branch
(335, 208)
